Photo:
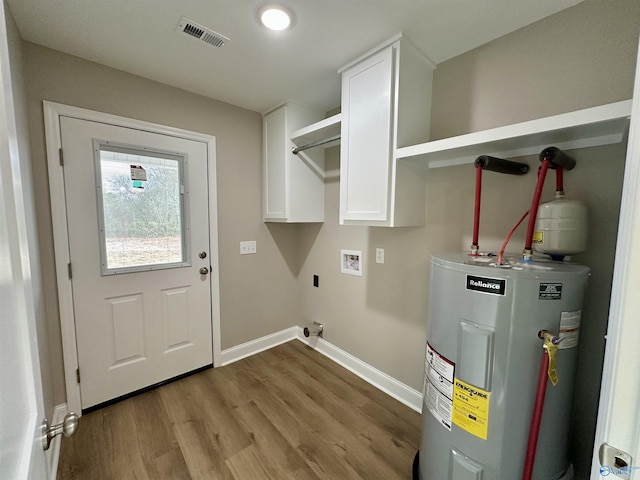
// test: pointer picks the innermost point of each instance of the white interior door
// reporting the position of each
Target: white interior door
(21, 408)
(138, 227)
(21, 403)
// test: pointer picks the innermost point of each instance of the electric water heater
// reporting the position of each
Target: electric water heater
(483, 358)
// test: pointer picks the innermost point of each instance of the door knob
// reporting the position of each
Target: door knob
(204, 271)
(68, 427)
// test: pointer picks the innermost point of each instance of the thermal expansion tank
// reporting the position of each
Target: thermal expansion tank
(482, 362)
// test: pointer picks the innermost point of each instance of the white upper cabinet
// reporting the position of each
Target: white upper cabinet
(386, 104)
(293, 184)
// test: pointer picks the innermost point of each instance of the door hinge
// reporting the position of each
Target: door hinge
(69, 270)
(78, 375)
(61, 156)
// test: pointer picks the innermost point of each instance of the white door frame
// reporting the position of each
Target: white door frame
(618, 416)
(52, 114)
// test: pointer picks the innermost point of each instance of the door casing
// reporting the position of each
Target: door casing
(52, 113)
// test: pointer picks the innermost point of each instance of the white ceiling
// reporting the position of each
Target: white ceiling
(257, 68)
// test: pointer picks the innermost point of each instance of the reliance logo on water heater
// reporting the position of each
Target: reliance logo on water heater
(494, 286)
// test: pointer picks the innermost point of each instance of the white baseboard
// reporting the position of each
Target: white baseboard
(396, 389)
(53, 454)
(258, 345)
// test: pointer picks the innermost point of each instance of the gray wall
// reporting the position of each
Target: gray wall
(256, 291)
(579, 58)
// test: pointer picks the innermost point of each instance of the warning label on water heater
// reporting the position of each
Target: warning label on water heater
(550, 291)
(438, 386)
(569, 329)
(471, 408)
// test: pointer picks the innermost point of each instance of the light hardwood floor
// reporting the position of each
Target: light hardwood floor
(286, 413)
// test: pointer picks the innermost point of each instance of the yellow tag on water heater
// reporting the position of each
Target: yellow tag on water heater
(470, 408)
(552, 372)
(538, 237)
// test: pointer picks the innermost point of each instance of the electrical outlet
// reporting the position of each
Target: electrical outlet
(248, 248)
(379, 255)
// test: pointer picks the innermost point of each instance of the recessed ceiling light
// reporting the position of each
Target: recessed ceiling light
(275, 17)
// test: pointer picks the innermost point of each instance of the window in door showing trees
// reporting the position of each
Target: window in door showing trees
(141, 209)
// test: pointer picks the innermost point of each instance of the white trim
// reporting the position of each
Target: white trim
(601, 125)
(258, 345)
(52, 114)
(618, 421)
(53, 454)
(399, 38)
(392, 387)
(214, 274)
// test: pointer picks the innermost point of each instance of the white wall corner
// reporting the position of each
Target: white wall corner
(389, 385)
(258, 345)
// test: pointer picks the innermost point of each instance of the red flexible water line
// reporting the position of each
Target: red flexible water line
(508, 237)
(476, 212)
(536, 203)
(559, 179)
(538, 406)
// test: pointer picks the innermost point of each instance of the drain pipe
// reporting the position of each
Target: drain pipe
(314, 330)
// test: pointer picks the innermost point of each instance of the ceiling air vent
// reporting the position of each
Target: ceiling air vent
(191, 28)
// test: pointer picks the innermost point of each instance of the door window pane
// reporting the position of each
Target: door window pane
(141, 209)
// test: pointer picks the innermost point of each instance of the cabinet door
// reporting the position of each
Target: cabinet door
(275, 162)
(365, 152)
